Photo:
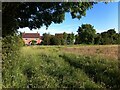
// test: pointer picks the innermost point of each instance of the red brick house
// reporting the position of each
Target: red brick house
(28, 37)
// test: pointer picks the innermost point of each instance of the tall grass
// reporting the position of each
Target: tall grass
(105, 72)
(49, 67)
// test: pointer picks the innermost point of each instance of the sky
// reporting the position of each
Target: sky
(102, 16)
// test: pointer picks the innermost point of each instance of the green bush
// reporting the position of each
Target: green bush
(11, 43)
(33, 42)
(10, 53)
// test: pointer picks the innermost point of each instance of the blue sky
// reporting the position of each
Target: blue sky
(102, 16)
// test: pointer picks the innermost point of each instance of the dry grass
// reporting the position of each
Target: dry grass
(106, 51)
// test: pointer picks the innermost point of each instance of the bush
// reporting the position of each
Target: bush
(10, 52)
(11, 43)
(33, 42)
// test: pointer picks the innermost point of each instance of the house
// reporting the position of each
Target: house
(29, 37)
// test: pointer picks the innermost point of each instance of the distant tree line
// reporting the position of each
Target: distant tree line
(58, 39)
(86, 35)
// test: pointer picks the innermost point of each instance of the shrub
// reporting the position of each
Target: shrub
(10, 52)
(33, 42)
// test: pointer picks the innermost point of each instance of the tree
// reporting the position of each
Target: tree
(111, 32)
(65, 37)
(97, 39)
(60, 38)
(70, 39)
(117, 36)
(55, 41)
(46, 39)
(110, 37)
(36, 14)
(77, 39)
(86, 33)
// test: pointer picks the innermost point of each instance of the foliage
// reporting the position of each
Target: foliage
(58, 39)
(10, 53)
(109, 37)
(65, 35)
(36, 14)
(33, 42)
(11, 43)
(77, 39)
(55, 40)
(97, 39)
(70, 38)
(86, 34)
(46, 39)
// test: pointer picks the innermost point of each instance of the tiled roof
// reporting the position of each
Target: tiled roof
(30, 35)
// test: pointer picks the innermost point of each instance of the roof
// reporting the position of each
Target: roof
(30, 35)
(59, 34)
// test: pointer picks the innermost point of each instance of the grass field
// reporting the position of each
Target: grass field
(105, 51)
(64, 67)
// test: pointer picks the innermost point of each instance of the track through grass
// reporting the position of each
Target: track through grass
(50, 67)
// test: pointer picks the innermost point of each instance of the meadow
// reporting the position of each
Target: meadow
(74, 66)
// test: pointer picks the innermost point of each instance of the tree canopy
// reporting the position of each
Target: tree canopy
(86, 33)
(36, 14)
